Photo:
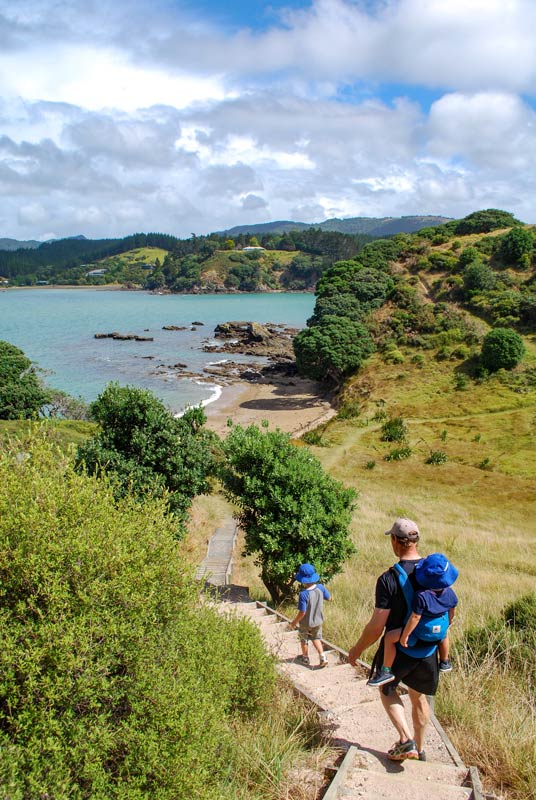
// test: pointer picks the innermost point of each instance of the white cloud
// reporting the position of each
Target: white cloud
(115, 117)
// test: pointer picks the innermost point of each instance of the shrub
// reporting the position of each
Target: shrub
(437, 457)
(394, 430)
(21, 394)
(116, 682)
(350, 409)
(502, 348)
(148, 451)
(398, 454)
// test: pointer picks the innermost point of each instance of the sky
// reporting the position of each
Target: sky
(188, 117)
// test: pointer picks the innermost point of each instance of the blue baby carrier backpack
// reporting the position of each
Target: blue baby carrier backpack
(430, 631)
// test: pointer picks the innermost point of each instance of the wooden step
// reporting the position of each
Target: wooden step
(429, 771)
(367, 785)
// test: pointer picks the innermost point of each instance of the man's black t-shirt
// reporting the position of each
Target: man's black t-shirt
(389, 594)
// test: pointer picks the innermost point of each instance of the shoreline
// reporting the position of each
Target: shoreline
(294, 405)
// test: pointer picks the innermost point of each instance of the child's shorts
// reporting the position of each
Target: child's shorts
(308, 634)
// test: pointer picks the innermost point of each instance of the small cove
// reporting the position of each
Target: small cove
(56, 329)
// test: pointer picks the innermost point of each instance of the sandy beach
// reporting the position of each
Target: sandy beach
(294, 405)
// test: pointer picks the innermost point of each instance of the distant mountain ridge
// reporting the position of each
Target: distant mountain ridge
(15, 244)
(377, 227)
(32, 244)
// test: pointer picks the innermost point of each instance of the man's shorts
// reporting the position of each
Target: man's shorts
(308, 634)
(419, 674)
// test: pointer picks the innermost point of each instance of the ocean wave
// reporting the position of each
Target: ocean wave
(216, 394)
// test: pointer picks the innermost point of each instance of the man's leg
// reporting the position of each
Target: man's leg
(420, 713)
(395, 711)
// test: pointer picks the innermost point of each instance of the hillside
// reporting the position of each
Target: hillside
(428, 430)
(376, 227)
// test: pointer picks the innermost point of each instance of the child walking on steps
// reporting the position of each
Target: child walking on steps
(431, 615)
(310, 614)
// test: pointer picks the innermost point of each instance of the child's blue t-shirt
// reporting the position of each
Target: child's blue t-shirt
(433, 603)
(303, 597)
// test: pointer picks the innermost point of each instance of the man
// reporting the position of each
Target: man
(420, 674)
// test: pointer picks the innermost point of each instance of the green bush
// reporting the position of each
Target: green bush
(502, 348)
(398, 454)
(22, 395)
(437, 457)
(394, 430)
(290, 509)
(115, 681)
(350, 409)
(148, 451)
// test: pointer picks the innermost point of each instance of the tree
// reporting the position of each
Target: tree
(22, 395)
(502, 348)
(333, 349)
(290, 509)
(147, 450)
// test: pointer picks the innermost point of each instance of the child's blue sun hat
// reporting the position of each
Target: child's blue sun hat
(436, 572)
(307, 574)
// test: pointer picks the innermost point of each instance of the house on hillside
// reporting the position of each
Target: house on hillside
(253, 249)
(94, 272)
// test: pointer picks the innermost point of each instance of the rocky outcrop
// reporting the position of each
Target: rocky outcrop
(253, 339)
(124, 337)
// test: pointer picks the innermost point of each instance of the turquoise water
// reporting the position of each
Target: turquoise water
(56, 327)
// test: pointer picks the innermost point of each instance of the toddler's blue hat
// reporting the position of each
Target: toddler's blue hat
(436, 572)
(307, 574)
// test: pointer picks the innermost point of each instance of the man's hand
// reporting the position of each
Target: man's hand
(353, 655)
(404, 641)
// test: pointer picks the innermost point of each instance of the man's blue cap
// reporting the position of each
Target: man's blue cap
(436, 572)
(307, 574)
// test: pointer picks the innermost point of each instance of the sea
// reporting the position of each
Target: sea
(56, 329)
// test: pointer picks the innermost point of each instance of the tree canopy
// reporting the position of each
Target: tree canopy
(147, 450)
(22, 394)
(333, 349)
(290, 509)
(502, 348)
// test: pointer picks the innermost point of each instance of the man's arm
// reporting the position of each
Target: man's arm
(371, 633)
(409, 627)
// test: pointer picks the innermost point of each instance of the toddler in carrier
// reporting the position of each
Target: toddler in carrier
(428, 620)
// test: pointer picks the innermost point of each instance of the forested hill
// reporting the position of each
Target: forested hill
(376, 227)
(436, 290)
(294, 260)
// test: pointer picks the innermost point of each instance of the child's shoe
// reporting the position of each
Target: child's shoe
(445, 666)
(323, 660)
(303, 660)
(380, 677)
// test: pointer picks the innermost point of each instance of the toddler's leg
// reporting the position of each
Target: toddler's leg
(389, 646)
(444, 648)
(383, 674)
(444, 663)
